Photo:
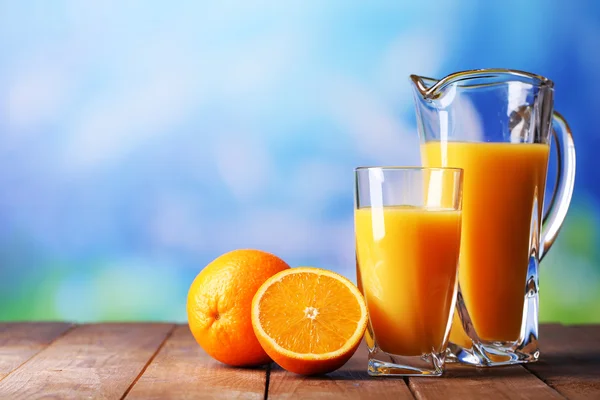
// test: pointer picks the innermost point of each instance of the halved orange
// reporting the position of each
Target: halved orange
(309, 320)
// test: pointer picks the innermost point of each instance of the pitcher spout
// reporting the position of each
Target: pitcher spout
(422, 85)
(436, 93)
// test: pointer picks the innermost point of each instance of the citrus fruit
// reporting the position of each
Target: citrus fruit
(309, 320)
(219, 302)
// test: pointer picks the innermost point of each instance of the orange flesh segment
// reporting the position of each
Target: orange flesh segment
(315, 314)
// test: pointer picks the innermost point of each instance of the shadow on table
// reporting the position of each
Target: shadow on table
(550, 364)
(590, 359)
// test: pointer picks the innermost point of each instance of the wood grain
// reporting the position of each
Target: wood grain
(90, 361)
(570, 360)
(512, 382)
(349, 382)
(21, 341)
(110, 361)
(182, 370)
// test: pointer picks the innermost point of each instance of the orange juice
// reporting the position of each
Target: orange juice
(407, 260)
(503, 192)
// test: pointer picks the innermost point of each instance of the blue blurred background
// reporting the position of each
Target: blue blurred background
(140, 140)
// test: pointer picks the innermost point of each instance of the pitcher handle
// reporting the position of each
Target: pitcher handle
(565, 182)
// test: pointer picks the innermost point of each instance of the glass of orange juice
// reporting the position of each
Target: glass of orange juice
(408, 226)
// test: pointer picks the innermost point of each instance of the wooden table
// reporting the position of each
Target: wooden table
(160, 361)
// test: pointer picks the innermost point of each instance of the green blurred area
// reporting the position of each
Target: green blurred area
(569, 275)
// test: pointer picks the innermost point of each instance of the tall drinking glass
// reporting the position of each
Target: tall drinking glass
(408, 227)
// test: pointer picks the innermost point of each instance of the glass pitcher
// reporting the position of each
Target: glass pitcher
(496, 125)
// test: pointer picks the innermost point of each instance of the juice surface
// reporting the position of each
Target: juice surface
(407, 261)
(503, 191)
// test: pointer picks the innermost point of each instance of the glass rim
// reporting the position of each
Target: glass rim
(408, 168)
(462, 78)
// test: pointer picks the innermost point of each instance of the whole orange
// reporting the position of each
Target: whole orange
(219, 305)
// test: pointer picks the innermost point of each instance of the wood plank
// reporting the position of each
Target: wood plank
(182, 370)
(90, 361)
(349, 382)
(591, 331)
(511, 382)
(570, 360)
(19, 341)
